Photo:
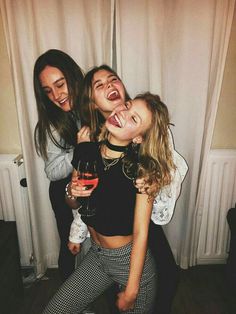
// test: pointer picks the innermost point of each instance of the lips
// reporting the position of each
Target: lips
(113, 95)
(63, 101)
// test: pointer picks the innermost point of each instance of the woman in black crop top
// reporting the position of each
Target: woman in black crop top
(119, 254)
(115, 215)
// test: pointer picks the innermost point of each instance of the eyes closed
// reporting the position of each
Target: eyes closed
(134, 117)
(98, 84)
(58, 84)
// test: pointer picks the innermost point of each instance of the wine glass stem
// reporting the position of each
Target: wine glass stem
(87, 203)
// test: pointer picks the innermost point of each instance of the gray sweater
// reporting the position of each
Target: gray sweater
(58, 165)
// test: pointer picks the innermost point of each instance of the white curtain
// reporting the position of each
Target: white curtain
(174, 48)
(177, 49)
(81, 28)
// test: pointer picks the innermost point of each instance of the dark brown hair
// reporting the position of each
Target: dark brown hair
(49, 115)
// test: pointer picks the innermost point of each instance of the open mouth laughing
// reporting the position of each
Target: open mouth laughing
(113, 95)
(115, 121)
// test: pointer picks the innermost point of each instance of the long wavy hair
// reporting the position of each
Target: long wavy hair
(49, 115)
(155, 160)
(152, 159)
(91, 116)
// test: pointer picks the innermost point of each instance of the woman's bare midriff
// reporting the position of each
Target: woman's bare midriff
(112, 242)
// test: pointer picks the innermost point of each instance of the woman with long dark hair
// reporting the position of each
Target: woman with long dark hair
(57, 86)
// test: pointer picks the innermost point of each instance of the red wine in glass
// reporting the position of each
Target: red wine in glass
(87, 177)
(88, 180)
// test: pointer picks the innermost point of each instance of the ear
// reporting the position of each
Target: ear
(137, 140)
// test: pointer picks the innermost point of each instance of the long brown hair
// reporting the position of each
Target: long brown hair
(89, 115)
(49, 115)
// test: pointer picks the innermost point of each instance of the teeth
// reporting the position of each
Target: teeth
(117, 120)
(112, 94)
(63, 101)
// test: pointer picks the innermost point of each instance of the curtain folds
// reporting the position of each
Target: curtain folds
(176, 49)
(221, 28)
(81, 28)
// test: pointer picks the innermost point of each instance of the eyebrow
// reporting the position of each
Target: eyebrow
(57, 81)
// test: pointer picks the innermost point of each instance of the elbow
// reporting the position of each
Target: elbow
(140, 236)
(55, 175)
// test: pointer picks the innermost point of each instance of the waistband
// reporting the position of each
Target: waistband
(112, 252)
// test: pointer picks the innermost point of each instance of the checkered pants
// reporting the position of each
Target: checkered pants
(99, 269)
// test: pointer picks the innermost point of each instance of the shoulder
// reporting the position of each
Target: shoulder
(54, 132)
(53, 138)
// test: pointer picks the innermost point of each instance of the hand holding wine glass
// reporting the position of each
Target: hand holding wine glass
(88, 179)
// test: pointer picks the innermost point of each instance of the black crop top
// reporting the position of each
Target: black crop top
(114, 197)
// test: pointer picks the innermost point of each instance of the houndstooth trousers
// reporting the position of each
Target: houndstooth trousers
(99, 269)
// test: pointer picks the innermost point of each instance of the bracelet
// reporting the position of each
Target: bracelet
(71, 197)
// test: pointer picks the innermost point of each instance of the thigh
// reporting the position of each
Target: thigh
(86, 283)
(85, 246)
(145, 300)
(117, 264)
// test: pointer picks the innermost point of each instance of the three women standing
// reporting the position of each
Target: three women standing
(57, 83)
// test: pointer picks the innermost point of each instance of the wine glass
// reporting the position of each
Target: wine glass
(88, 178)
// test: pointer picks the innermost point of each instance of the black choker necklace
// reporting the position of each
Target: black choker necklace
(116, 148)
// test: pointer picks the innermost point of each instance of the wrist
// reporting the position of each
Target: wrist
(68, 192)
(131, 294)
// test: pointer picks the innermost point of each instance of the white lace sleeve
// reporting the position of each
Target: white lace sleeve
(164, 204)
(78, 230)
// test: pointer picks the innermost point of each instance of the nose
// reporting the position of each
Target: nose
(122, 111)
(109, 84)
(56, 94)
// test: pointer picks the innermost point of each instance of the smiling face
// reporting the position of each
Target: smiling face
(55, 87)
(107, 91)
(128, 122)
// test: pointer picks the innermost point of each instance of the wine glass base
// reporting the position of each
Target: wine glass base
(85, 212)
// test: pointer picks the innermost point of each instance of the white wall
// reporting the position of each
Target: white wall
(225, 127)
(9, 132)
